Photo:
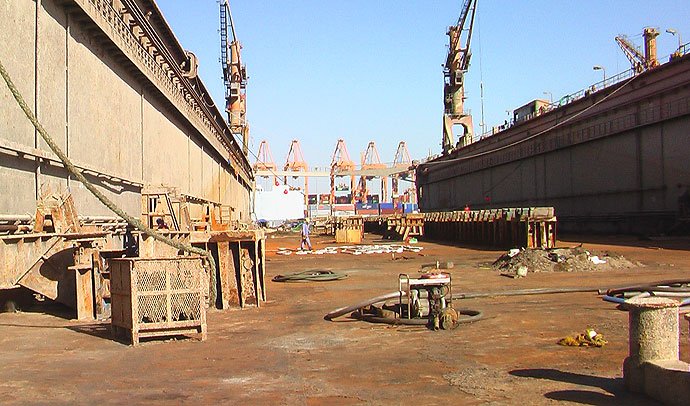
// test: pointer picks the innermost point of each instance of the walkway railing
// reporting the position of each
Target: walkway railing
(572, 97)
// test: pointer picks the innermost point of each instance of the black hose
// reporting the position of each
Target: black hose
(474, 315)
(525, 292)
(349, 309)
(670, 288)
(675, 285)
(310, 276)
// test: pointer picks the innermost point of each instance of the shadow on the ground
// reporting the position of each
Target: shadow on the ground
(616, 395)
(100, 330)
(103, 330)
(28, 325)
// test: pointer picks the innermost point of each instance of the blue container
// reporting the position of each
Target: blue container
(409, 207)
(367, 208)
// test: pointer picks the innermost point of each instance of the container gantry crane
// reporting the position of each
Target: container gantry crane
(295, 163)
(234, 77)
(341, 162)
(402, 160)
(264, 160)
(456, 65)
(371, 160)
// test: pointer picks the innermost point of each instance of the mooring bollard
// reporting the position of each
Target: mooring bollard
(654, 335)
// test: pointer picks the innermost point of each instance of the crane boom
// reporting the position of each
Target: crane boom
(639, 61)
(455, 49)
(234, 76)
(631, 52)
(456, 65)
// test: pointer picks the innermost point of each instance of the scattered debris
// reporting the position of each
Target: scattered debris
(439, 265)
(517, 263)
(595, 259)
(355, 250)
(521, 271)
(589, 338)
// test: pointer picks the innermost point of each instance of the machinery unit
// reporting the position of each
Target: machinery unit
(428, 296)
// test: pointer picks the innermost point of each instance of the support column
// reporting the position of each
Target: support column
(653, 336)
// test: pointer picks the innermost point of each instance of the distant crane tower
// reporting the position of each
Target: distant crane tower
(639, 61)
(295, 163)
(339, 163)
(234, 77)
(264, 160)
(456, 65)
(402, 160)
(371, 160)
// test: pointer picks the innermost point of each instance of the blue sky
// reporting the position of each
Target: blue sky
(366, 70)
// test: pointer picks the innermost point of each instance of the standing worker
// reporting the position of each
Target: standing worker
(305, 235)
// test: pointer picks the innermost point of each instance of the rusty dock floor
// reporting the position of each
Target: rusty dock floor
(285, 353)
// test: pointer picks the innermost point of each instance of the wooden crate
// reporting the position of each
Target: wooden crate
(349, 229)
(153, 297)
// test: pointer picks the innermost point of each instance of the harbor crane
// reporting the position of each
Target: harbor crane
(454, 69)
(264, 158)
(264, 161)
(639, 61)
(295, 163)
(234, 77)
(371, 160)
(402, 160)
(341, 162)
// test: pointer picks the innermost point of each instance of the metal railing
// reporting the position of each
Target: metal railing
(572, 97)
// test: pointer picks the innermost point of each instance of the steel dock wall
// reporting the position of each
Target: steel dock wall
(613, 161)
(115, 105)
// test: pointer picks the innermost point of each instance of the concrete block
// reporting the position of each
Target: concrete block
(667, 381)
(633, 375)
(653, 329)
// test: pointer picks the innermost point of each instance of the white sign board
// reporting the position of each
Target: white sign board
(279, 204)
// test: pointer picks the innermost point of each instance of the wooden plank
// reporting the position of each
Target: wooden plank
(255, 273)
(262, 266)
(83, 279)
(230, 295)
(237, 251)
(248, 292)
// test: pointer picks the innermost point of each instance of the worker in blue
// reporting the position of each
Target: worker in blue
(305, 235)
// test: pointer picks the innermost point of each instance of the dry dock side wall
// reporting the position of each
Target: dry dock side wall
(103, 113)
(619, 167)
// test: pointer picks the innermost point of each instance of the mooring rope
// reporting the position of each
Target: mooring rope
(132, 221)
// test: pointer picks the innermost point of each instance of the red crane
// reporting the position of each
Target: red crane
(264, 161)
(339, 163)
(371, 160)
(402, 160)
(234, 77)
(295, 163)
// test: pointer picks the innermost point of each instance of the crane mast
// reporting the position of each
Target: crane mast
(454, 69)
(234, 77)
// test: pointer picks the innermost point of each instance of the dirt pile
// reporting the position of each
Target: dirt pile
(517, 262)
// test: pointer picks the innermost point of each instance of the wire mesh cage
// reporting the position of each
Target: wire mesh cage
(158, 297)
